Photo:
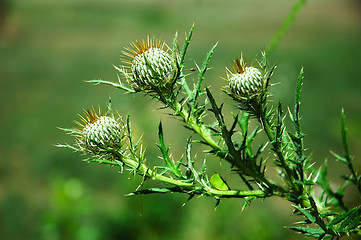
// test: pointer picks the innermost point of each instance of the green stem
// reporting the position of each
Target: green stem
(319, 220)
(348, 156)
(187, 187)
(236, 193)
(189, 119)
(277, 150)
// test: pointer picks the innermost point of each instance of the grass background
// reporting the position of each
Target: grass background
(49, 48)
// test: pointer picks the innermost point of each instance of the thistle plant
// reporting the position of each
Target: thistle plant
(152, 68)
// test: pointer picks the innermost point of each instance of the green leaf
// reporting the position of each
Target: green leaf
(341, 217)
(149, 191)
(165, 153)
(186, 43)
(69, 146)
(116, 85)
(306, 213)
(350, 219)
(243, 122)
(219, 183)
(71, 131)
(308, 182)
(298, 88)
(252, 136)
(321, 176)
(308, 231)
(355, 222)
(339, 158)
(180, 59)
(202, 71)
(175, 44)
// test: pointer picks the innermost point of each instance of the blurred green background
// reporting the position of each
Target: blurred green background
(49, 48)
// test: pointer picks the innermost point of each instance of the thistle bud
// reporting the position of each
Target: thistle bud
(149, 63)
(245, 82)
(99, 132)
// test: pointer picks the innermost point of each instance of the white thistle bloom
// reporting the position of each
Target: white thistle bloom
(245, 82)
(100, 131)
(149, 63)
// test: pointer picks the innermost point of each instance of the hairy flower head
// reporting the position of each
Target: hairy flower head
(149, 62)
(245, 82)
(99, 132)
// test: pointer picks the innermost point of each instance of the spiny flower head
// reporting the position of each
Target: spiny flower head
(99, 132)
(245, 82)
(150, 63)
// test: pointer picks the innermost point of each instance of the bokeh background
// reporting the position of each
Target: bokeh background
(49, 48)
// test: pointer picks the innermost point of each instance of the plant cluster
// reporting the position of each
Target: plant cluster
(152, 68)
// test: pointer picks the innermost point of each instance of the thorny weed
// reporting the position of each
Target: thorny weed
(152, 68)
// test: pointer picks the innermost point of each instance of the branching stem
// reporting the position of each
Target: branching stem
(296, 188)
(186, 187)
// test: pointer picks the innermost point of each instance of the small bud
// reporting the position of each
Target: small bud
(99, 132)
(245, 82)
(149, 63)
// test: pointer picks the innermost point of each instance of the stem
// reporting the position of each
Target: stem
(348, 156)
(297, 189)
(189, 119)
(266, 126)
(236, 193)
(319, 220)
(354, 175)
(187, 187)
